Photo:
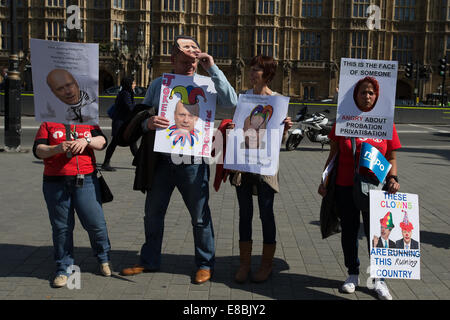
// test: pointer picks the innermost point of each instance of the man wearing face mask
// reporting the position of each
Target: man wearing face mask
(158, 176)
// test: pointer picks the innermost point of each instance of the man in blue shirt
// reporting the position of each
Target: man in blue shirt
(161, 175)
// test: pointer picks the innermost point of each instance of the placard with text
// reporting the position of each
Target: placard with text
(351, 119)
(394, 235)
(65, 81)
(189, 103)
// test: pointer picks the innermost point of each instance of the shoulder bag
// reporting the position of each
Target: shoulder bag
(105, 192)
(329, 218)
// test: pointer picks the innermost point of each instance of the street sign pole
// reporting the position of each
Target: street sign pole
(13, 129)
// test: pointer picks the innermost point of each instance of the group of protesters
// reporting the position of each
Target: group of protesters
(70, 180)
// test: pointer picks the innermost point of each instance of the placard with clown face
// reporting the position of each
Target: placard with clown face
(189, 103)
(394, 235)
(254, 144)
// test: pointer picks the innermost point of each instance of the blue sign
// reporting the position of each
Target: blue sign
(372, 159)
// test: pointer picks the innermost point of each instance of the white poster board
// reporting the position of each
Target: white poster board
(394, 254)
(65, 81)
(189, 103)
(254, 144)
(377, 123)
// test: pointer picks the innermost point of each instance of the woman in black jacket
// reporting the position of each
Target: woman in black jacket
(124, 106)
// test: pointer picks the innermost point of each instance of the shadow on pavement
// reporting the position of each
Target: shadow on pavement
(439, 240)
(37, 262)
(444, 153)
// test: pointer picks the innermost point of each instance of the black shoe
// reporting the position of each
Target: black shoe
(107, 167)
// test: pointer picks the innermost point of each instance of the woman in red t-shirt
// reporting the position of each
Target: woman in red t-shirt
(365, 96)
(70, 184)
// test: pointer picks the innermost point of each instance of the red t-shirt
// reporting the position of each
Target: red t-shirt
(52, 133)
(346, 161)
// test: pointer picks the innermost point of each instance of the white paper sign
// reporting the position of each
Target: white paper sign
(254, 144)
(351, 120)
(65, 81)
(394, 232)
(189, 103)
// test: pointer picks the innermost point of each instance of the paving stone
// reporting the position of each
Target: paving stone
(305, 267)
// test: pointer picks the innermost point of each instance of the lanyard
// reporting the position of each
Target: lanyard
(69, 135)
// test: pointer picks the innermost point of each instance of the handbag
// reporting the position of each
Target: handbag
(330, 222)
(112, 111)
(362, 185)
(105, 192)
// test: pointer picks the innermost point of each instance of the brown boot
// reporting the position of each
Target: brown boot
(265, 268)
(245, 250)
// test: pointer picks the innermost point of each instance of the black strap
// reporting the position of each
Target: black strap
(68, 134)
(354, 152)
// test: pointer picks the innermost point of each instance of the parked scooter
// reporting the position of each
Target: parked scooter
(316, 127)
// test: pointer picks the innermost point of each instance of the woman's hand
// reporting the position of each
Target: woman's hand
(287, 124)
(322, 190)
(392, 185)
(64, 147)
(230, 126)
(156, 122)
(78, 146)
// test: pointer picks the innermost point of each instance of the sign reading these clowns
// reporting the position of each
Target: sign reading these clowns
(189, 103)
(394, 232)
(351, 120)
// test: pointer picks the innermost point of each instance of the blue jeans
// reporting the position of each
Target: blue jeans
(63, 199)
(350, 222)
(265, 202)
(192, 180)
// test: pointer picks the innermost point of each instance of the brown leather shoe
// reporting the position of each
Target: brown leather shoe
(202, 276)
(136, 269)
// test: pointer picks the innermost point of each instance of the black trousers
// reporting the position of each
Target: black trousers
(112, 147)
(350, 223)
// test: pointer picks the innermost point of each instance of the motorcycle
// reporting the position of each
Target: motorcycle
(316, 127)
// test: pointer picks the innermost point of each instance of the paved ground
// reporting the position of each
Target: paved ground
(306, 267)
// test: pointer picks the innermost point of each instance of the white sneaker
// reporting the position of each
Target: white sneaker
(350, 284)
(60, 281)
(382, 290)
(105, 269)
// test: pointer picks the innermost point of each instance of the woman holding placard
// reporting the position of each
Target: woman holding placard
(262, 71)
(365, 95)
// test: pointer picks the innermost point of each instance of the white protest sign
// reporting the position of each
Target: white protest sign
(65, 81)
(189, 103)
(254, 144)
(353, 118)
(394, 235)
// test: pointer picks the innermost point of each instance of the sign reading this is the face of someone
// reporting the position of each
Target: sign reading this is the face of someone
(366, 98)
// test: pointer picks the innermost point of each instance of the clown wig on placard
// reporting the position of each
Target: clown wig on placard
(257, 120)
(186, 115)
(406, 242)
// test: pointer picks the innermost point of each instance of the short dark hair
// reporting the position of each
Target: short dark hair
(268, 64)
(176, 46)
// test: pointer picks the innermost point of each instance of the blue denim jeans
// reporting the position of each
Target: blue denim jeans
(265, 202)
(63, 199)
(192, 180)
